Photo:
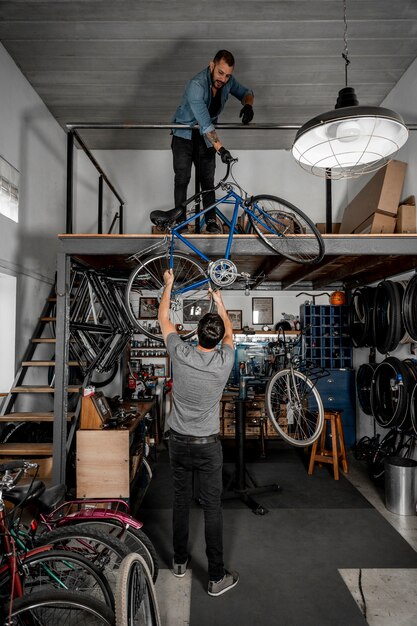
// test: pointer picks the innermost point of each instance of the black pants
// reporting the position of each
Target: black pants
(185, 152)
(207, 460)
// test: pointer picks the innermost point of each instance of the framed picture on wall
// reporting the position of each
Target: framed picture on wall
(192, 310)
(148, 308)
(236, 319)
(262, 310)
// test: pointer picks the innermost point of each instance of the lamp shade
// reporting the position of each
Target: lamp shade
(349, 141)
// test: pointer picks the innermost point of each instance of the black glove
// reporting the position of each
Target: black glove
(225, 155)
(246, 113)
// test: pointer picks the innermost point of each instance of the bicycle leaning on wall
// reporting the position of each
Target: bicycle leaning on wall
(281, 226)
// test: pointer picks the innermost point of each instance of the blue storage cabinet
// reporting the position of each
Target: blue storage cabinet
(327, 340)
(337, 391)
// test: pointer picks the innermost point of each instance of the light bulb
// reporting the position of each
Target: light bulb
(348, 131)
(247, 291)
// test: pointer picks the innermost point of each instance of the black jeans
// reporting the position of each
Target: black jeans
(207, 461)
(185, 152)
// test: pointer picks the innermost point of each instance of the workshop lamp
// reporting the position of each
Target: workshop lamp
(351, 140)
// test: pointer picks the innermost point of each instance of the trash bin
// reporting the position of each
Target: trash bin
(400, 485)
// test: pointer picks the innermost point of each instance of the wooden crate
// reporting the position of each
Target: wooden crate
(103, 467)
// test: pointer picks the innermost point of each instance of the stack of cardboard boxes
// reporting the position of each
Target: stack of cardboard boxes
(378, 208)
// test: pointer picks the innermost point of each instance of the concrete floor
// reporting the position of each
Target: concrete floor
(386, 597)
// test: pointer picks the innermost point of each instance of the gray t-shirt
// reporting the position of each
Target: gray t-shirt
(199, 379)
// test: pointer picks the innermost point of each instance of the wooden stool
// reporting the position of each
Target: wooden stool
(337, 454)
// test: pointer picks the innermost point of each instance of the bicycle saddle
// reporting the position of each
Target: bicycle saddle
(166, 218)
(25, 493)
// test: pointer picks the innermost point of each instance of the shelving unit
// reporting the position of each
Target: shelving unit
(145, 352)
(327, 340)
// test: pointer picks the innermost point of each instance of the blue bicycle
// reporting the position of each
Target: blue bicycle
(280, 225)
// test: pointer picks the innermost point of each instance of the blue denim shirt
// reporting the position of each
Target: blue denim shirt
(196, 101)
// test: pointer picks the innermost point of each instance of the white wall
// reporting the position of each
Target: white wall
(32, 141)
(145, 180)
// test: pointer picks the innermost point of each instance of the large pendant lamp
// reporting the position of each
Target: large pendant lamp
(351, 140)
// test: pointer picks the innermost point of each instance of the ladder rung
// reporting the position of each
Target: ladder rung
(42, 389)
(31, 417)
(45, 363)
(48, 319)
(26, 449)
(44, 340)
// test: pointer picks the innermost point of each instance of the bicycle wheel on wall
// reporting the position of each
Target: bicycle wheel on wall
(145, 286)
(294, 407)
(135, 597)
(285, 229)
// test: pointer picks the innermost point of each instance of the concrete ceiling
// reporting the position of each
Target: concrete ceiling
(124, 62)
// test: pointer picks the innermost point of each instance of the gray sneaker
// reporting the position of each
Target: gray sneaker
(179, 569)
(229, 580)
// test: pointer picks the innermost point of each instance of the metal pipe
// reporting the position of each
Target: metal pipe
(252, 126)
(70, 182)
(100, 205)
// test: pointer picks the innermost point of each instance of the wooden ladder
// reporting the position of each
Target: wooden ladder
(17, 440)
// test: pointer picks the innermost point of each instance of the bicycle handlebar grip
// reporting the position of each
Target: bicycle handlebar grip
(16, 465)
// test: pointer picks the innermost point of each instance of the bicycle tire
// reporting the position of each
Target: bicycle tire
(59, 607)
(146, 281)
(294, 407)
(60, 569)
(135, 597)
(388, 446)
(389, 396)
(413, 408)
(286, 229)
(388, 323)
(363, 386)
(361, 317)
(409, 309)
(96, 545)
(134, 538)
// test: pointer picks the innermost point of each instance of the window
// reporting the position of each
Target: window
(9, 190)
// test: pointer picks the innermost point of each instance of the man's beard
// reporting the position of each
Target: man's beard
(216, 81)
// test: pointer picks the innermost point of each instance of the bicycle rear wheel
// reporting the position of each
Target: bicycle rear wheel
(294, 407)
(286, 229)
(190, 297)
(135, 598)
(59, 607)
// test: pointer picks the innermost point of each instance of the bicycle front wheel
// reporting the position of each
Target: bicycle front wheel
(190, 296)
(286, 229)
(59, 607)
(135, 597)
(294, 407)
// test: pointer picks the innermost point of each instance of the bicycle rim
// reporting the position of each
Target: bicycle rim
(294, 407)
(133, 538)
(286, 230)
(97, 546)
(135, 598)
(187, 307)
(59, 607)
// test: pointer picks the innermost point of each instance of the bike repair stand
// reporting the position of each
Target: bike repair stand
(241, 484)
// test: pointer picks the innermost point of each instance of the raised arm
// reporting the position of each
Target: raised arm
(165, 323)
(228, 330)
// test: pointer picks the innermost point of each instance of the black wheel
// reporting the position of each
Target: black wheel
(95, 545)
(135, 597)
(363, 386)
(59, 569)
(133, 538)
(388, 324)
(390, 393)
(188, 303)
(64, 608)
(294, 407)
(285, 229)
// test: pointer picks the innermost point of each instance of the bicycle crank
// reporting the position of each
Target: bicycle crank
(222, 272)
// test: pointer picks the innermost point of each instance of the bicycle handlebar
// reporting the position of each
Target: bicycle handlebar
(14, 466)
(229, 166)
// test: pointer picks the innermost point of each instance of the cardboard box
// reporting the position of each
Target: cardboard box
(321, 227)
(382, 193)
(406, 219)
(377, 223)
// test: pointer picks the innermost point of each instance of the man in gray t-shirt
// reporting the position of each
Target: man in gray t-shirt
(199, 376)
